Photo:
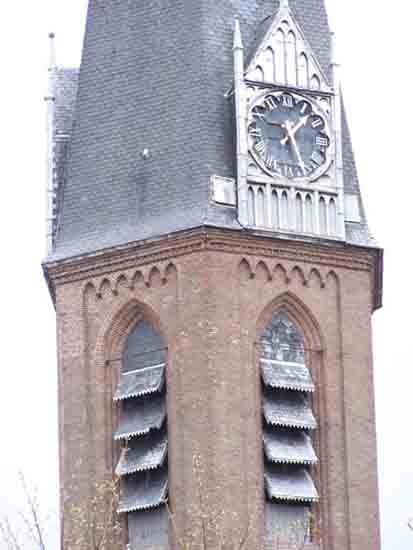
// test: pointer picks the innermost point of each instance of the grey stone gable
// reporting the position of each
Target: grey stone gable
(311, 15)
(154, 76)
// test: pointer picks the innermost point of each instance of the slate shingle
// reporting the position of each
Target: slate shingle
(154, 75)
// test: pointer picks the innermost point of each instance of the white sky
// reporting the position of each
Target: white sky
(375, 50)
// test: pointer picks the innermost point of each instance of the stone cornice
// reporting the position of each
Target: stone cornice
(133, 255)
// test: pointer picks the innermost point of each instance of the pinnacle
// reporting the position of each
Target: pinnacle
(237, 36)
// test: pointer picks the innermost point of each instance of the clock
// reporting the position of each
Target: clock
(289, 136)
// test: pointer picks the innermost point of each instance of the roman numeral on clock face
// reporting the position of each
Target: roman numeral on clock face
(258, 114)
(260, 147)
(317, 122)
(256, 132)
(321, 141)
(287, 171)
(287, 101)
(317, 158)
(270, 103)
(270, 161)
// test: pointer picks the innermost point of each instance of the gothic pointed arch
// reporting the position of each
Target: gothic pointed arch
(299, 313)
(116, 327)
(140, 431)
(286, 331)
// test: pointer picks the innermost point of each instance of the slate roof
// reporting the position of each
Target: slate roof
(64, 87)
(154, 75)
(65, 84)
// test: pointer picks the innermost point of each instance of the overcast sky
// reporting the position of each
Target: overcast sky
(375, 45)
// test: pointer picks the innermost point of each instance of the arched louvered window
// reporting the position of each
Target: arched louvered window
(288, 423)
(142, 433)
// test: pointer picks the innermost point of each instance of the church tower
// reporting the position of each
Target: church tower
(214, 279)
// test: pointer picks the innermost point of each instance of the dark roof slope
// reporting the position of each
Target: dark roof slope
(154, 76)
(64, 85)
(65, 90)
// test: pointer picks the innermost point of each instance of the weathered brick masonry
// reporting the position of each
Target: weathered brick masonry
(210, 292)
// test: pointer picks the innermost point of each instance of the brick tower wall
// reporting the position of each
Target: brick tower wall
(210, 294)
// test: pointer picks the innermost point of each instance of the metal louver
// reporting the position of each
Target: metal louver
(139, 416)
(288, 422)
(141, 382)
(290, 485)
(289, 447)
(287, 376)
(143, 466)
(288, 410)
(142, 454)
(143, 491)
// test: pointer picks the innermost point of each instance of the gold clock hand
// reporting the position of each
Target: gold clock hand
(273, 123)
(295, 129)
(290, 136)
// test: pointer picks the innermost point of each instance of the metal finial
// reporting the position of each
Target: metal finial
(284, 4)
(237, 36)
(52, 51)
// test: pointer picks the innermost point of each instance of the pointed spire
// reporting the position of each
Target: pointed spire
(237, 36)
(284, 5)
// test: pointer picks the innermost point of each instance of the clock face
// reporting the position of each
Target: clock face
(289, 136)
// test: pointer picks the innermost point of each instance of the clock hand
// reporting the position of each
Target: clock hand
(295, 129)
(290, 136)
(273, 123)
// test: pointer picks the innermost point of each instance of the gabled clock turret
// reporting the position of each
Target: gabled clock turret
(290, 175)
